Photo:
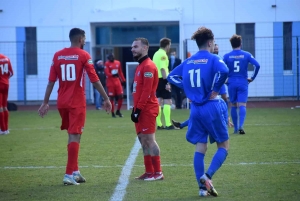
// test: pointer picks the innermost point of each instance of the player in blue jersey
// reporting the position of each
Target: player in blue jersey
(202, 76)
(237, 61)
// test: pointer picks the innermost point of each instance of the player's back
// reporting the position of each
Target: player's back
(237, 61)
(69, 66)
(199, 74)
(161, 60)
(6, 70)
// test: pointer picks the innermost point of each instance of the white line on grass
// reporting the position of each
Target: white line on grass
(164, 165)
(120, 189)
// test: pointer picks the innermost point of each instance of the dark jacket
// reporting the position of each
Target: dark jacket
(101, 74)
(176, 63)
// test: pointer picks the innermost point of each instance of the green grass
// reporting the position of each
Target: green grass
(269, 150)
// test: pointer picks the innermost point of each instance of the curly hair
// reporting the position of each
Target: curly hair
(202, 35)
(236, 41)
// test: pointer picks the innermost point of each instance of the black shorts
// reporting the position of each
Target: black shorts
(161, 91)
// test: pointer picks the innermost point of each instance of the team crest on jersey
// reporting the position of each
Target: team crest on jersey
(198, 61)
(163, 58)
(90, 61)
(4, 60)
(69, 57)
(148, 74)
(236, 57)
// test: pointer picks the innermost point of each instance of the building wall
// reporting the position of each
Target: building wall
(55, 18)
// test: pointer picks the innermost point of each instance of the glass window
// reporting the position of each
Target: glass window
(247, 31)
(287, 45)
(172, 32)
(102, 35)
(30, 51)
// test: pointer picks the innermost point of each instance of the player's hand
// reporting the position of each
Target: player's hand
(107, 106)
(230, 124)
(213, 95)
(135, 115)
(43, 110)
(168, 87)
(115, 75)
(249, 80)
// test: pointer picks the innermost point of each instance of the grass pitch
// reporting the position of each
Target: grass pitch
(264, 164)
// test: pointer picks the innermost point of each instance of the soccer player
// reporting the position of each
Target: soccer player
(237, 61)
(68, 67)
(163, 91)
(6, 72)
(203, 75)
(115, 80)
(145, 109)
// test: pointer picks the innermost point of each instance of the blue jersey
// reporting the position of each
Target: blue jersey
(199, 75)
(237, 61)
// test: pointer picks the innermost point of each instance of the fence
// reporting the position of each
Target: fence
(279, 60)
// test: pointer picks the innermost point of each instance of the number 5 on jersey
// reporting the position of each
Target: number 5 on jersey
(68, 72)
(236, 66)
(191, 72)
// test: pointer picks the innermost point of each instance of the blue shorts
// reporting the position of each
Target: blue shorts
(238, 90)
(208, 120)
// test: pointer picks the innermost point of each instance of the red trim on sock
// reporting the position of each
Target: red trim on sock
(148, 164)
(73, 149)
(156, 163)
(120, 102)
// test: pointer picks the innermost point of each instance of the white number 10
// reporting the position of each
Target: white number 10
(68, 72)
(198, 83)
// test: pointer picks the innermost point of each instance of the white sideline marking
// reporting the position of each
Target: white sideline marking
(120, 189)
(165, 165)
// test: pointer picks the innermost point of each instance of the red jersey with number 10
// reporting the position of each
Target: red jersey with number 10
(144, 86)
(6, 70)
(69, 67)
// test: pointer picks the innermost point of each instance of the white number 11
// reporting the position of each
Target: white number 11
(198, 83)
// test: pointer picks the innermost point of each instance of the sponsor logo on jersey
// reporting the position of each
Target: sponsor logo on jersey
(4, 60)
(198, 61)
(69, 57)
(90, 61)
(163, 58)
(148, 74)
(236, 56)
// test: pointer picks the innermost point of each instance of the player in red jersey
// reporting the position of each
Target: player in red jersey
(146, 109)
(114, 81)
(69, 67)
(6, 72)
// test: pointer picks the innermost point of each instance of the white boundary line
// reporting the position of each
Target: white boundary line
(165, 165)
(120, 189)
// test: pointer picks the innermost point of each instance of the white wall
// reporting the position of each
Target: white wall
(55, 18)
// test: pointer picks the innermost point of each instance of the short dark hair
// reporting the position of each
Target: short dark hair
(164, 42)
(144, 41)
(202, 35)
(75, 32)
(236, 41)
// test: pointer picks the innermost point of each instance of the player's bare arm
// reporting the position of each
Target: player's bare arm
(163, 73)
(43, 110)
(213, 95)
(106, 103)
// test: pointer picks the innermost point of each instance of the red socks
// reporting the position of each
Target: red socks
(148, 164)
(112, 105)
(156, 163)
(72, 164)
(120, 102)
(6, 114)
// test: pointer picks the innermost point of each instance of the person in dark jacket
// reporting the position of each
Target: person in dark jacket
(173, 63)
(99, 68)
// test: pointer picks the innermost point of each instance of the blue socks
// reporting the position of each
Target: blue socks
(242, 114)
(234, 118)
(185, 123)
(217, 161)
(199, 166)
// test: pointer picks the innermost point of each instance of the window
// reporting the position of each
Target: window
(30, 51)
(287, 46)
(247, 31)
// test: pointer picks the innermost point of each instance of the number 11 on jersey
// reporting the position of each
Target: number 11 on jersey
(191, 72)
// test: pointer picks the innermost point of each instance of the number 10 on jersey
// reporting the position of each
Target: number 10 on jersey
(198, 80)
(68, 72)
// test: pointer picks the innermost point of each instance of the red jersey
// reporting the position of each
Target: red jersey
(112, 68)
(145, 84)
(69, 67)
(6, 70)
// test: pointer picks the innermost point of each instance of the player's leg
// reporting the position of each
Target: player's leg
(242, 100)
(167, 101)
(2, 121)
(158, 118)
(111, 95)
(232, 91)
(119, 92)
(97, 99)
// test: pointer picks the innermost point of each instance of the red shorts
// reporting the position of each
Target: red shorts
(115, 89)
(3, 95)
(73, 119)
(147, 122)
